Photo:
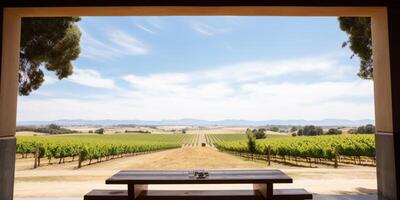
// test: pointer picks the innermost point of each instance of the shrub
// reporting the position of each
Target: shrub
(367, 129)
(251, 141)
(260, 133)
(312, 130)
(50, 129)
(99, 131)
(334, 131)
(274, 129)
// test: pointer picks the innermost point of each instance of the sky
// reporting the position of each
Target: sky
(211, 68)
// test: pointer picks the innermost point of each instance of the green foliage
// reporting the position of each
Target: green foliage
(359, 31)
(49, 42)
(300, 132)
(99, 131)
(307, 147)
(274, 129)
(138, 131)
(259, 133)
(334, 131)
(367, 129)
(251, 141)
(293, 129)
(50, 129)
(311, 130)
(97, 146)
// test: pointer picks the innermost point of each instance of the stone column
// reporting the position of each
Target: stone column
(9, 51)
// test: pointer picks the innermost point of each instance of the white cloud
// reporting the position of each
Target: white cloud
(119, 44)
(254, 70)
(245, 90)
(91, 78)
(208, 30)
(129, 45)
(143, 28)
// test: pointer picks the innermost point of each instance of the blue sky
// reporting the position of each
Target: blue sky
(254, 68)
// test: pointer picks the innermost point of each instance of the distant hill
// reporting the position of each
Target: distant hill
(197, 122)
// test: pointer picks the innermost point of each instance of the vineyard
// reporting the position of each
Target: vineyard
(89, 148)
(332, 150)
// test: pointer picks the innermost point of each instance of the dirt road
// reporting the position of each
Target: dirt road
(66, 181)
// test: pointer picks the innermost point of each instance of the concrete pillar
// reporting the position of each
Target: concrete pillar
(7, 167)
(386, 44)
(9, 64)
(394, 53)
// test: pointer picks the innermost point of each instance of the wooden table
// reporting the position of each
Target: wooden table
(138, 180)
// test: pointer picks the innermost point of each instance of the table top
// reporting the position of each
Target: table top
(186, 177)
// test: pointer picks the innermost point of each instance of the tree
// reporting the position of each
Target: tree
(367, 129)
(251, 141)
(300, 132)
(274, 129)
(50, 43)
(360, 42)
(334, 131)
(54, 126)
(260, 133)
(312, 130)
(99, 131)
(293, 129)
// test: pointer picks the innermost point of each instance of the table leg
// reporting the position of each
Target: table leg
(270, 191)
(131, 192)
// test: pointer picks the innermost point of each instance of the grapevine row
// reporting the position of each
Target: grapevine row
(94, 148)
(330, 148)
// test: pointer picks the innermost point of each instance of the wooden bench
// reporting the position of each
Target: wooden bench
(279, 194)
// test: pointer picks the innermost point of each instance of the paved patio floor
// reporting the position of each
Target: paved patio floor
(317, 197)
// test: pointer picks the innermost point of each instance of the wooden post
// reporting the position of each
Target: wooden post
(336, 158)
(79, 160)
(35, 165)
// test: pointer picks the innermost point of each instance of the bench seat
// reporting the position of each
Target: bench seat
(291, 194)
(107, 195)
(279, 194)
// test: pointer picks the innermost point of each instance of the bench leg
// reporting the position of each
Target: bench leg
(266, 190)
(134, 190)
(270, 191)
